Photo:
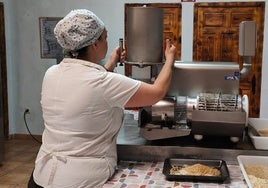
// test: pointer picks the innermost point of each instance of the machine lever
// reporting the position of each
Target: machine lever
(121, 43)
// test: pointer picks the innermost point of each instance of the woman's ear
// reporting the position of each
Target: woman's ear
(94, 46)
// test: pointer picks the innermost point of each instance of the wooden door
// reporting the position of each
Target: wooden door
(216, 35)
(172, 25)
(3, 76)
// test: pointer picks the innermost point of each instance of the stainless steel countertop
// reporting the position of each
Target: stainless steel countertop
(132, 146)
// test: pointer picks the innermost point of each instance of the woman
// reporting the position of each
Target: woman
(83, 105)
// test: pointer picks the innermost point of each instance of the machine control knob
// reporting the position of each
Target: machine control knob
(164, 116)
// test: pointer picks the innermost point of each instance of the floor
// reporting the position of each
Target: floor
(19, 157)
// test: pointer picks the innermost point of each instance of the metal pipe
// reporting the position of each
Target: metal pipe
(247, 65)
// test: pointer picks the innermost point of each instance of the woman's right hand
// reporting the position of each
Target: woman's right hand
(170, 52)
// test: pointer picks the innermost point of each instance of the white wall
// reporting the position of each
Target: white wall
(26, 69)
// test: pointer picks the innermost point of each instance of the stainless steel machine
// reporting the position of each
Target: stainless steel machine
(203, 99)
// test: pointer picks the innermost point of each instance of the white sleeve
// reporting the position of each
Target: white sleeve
(119, 89)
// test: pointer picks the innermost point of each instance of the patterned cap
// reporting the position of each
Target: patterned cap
(80, 28)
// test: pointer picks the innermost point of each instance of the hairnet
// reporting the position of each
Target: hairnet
(78, 29)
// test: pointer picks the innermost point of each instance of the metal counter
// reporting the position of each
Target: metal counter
(131, 146)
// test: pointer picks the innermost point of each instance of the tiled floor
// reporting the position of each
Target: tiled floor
(18, 162)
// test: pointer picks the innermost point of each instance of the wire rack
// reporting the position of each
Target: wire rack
(218, 102)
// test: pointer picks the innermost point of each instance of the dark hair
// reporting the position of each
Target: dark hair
(82, 52)
(74, 54)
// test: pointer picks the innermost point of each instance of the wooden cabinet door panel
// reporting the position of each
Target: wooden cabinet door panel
(172, 26)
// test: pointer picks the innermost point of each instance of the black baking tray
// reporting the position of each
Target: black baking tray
(219, 164)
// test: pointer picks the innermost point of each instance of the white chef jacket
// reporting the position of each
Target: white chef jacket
(82, 107)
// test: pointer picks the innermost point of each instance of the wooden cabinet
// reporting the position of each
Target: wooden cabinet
(216, 36)
(172, 25)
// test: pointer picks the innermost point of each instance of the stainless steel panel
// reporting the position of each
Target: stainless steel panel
(191, 78)
(160, 153)
(144, 34)
(131, 146)
(218, 123)
(163, 110)
(247, 38)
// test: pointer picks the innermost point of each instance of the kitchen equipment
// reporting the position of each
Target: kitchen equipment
(203, 99)
(247, 45)
(255, 125)
(144, 47)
